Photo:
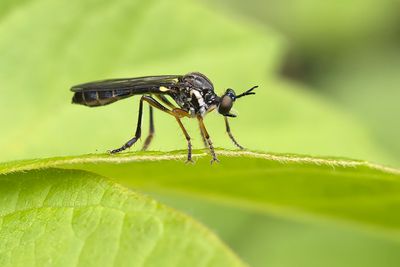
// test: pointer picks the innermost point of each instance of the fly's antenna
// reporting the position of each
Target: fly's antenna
(248, 92)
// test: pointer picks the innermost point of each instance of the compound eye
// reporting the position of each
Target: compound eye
(225, 105)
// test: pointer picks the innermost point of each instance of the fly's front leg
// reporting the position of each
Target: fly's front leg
(209, 142)
(151, 130)
(137, 133)
(228, 130)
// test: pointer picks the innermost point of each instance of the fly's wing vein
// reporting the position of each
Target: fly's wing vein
(141, 84)
(100, 93)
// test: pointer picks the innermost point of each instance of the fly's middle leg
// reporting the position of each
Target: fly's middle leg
(189, 156)
(203, 137)
(209, 142)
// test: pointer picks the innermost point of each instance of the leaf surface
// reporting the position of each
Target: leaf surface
(55, 217)
(288, 185)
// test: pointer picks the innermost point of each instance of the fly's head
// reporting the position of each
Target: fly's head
(228, 98)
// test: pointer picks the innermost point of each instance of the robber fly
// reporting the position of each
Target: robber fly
(192, 93)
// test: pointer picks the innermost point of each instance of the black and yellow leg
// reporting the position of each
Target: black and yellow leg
(228, 130)
(165, 101)
(177, 113)
(189, 155)
(149, 137)
(207, 136)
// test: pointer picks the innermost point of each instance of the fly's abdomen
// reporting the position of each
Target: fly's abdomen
(100, 98)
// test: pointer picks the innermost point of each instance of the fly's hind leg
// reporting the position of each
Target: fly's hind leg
(151, 130)
(165, 101)
(177, 113)
(137, 133)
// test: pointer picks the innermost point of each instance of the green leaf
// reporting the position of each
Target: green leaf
(330, 198)
(57, 217)
(49, 46)
(287, 185)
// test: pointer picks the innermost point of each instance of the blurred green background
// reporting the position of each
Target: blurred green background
(328, 73)
(347, 52)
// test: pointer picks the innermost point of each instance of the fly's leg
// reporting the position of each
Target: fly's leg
(189, 155)
(228, 130)
(177, 113)
(203, 137)
(137, 133)
(165, 101)
(151, 130)
(209, 142)
(180, 113)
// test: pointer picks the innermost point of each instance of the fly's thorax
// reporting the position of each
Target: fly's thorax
(201, 101)
(195, 94)
(197, 80)
(195, 101)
